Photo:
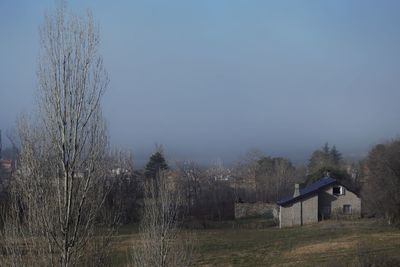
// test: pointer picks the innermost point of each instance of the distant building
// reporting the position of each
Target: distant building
(6, 169)
(321, 200)
(6, 165)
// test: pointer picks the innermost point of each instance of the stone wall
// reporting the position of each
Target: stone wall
(268, 210)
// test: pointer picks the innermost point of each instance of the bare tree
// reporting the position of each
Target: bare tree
(381, 188)
(218, 195)
(190, 176)
(161, 241)
(274, 178)
(244, 173)
(61, 174)
(19, 247)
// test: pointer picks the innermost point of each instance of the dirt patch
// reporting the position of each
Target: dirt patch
(344, 245)
(322, 247)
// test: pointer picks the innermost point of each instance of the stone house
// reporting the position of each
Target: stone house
(320, 200)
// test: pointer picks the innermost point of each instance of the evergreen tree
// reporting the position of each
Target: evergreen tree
(155, 164)
(323, 161)
(325, 149)
(335, 155)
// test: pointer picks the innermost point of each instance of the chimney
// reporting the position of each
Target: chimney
(296, 190)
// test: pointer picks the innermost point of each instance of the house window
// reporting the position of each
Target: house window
(338, 190)
(346, 209)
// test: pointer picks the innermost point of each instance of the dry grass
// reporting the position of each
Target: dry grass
(329, 243)
(321, 248)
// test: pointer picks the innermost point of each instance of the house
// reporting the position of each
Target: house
(317, 201)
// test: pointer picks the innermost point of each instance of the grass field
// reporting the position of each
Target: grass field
(255, 243)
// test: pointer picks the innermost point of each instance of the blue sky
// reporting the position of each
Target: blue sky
(212, 79)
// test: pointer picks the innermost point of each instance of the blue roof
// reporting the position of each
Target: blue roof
(306, 191)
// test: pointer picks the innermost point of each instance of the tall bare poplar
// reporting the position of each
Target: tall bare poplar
(61, 177)
(162, 244)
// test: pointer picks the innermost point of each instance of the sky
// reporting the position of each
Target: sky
(211, 80)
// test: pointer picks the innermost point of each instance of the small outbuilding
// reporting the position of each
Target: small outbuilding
(318, 201)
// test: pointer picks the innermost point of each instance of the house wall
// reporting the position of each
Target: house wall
(301, 212)
(330, 203)
(310, 210)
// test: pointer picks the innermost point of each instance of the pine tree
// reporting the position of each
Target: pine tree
(155, 164)
(336, 156)
(323, 161)
(326, 149)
